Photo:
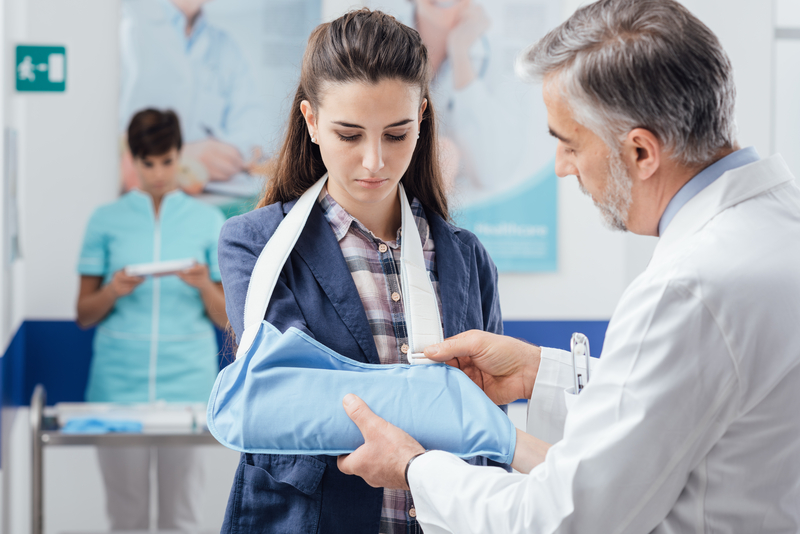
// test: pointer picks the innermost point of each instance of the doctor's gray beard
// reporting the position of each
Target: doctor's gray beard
(617, 197)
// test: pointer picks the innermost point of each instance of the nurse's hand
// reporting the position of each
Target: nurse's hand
(381, 461)
(197, 276)
(503, 367)
(121, 284)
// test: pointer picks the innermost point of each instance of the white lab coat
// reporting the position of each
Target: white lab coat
(690, 421)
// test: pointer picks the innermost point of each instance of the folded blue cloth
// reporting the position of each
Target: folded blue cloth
(98, 425)
(284, 396)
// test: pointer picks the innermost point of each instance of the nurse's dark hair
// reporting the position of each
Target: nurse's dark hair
(152, 132)
(362, 46)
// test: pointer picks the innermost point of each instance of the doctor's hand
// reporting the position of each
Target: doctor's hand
(221, 160)
(381, 460)
(503, 367)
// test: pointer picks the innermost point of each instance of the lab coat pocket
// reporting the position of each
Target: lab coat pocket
(570, 398)
(279, 493)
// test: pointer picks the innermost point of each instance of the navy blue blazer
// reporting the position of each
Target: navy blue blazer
(316, 294)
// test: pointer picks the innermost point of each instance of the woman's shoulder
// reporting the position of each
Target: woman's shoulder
(462, 235)
(112, 211)
(254, 227)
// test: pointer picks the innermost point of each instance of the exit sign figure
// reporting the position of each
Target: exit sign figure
(41, 68)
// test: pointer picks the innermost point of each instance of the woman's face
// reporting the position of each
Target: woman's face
(158, 175)
(366, 134)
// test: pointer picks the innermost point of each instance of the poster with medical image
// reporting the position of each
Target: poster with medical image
(228, 68)
(497, 154)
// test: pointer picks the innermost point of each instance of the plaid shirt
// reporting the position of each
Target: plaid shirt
(375, 267)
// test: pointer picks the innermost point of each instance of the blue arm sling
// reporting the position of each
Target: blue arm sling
(283, 394)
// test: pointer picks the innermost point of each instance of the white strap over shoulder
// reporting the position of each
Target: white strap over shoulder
(270, 262)
(423, 323)
(419, 300)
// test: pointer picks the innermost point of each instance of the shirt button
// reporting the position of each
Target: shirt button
(404, 349)
(412, 512)
(382, 248)
(395, 296)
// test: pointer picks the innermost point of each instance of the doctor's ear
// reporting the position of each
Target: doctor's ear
(642, 151)
(310, 117)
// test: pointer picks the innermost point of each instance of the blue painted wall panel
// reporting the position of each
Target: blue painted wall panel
(57, 354)
(13, 363)
(556, 334)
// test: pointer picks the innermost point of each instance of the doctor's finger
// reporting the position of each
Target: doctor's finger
(465, 345)
(361, 415)
(345, 465)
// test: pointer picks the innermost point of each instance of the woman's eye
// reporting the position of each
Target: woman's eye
(397, 137)
(348, 138)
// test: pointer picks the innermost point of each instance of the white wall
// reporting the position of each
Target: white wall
(787, 86)
(69, 146)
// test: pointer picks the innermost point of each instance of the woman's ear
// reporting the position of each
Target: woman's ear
(310, 117)
(422, 108)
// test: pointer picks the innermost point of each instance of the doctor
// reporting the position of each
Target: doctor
(689, 423)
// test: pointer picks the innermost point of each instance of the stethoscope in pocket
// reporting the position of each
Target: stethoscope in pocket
(579, 345)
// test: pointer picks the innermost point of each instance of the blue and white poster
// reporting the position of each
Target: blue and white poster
(229, 69)
(495, 147)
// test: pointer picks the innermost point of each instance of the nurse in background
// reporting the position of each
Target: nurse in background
(173, 58)
(155, 338)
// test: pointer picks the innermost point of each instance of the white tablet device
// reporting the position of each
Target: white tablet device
(159, 268)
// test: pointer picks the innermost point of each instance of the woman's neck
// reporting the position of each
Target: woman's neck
(157, 204)
(158, 200)
(382, 219)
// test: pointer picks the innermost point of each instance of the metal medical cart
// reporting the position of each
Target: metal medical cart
(45, 432)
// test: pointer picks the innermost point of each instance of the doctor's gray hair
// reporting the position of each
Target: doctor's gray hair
(625, 64)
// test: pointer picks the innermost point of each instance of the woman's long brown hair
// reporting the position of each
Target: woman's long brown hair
(362, 46)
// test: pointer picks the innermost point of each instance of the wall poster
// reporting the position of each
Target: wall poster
(229, 69)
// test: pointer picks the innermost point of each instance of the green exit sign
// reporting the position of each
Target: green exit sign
(41, 68)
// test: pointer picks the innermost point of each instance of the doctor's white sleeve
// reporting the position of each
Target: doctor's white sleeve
(547, 409)
(660, 400)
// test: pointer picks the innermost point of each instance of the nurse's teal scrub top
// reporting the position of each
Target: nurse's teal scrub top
(157, 343)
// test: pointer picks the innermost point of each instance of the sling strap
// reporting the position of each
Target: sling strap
(423, 321)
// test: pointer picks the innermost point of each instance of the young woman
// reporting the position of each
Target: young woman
(362, 113)
(155, 339)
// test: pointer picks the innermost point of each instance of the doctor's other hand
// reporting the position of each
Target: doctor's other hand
(220, 159)
(381, 460)
(121, 284)
(503, 367)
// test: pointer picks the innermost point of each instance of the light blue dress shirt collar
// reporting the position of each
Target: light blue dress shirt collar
(703, 179)
(178, 20)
